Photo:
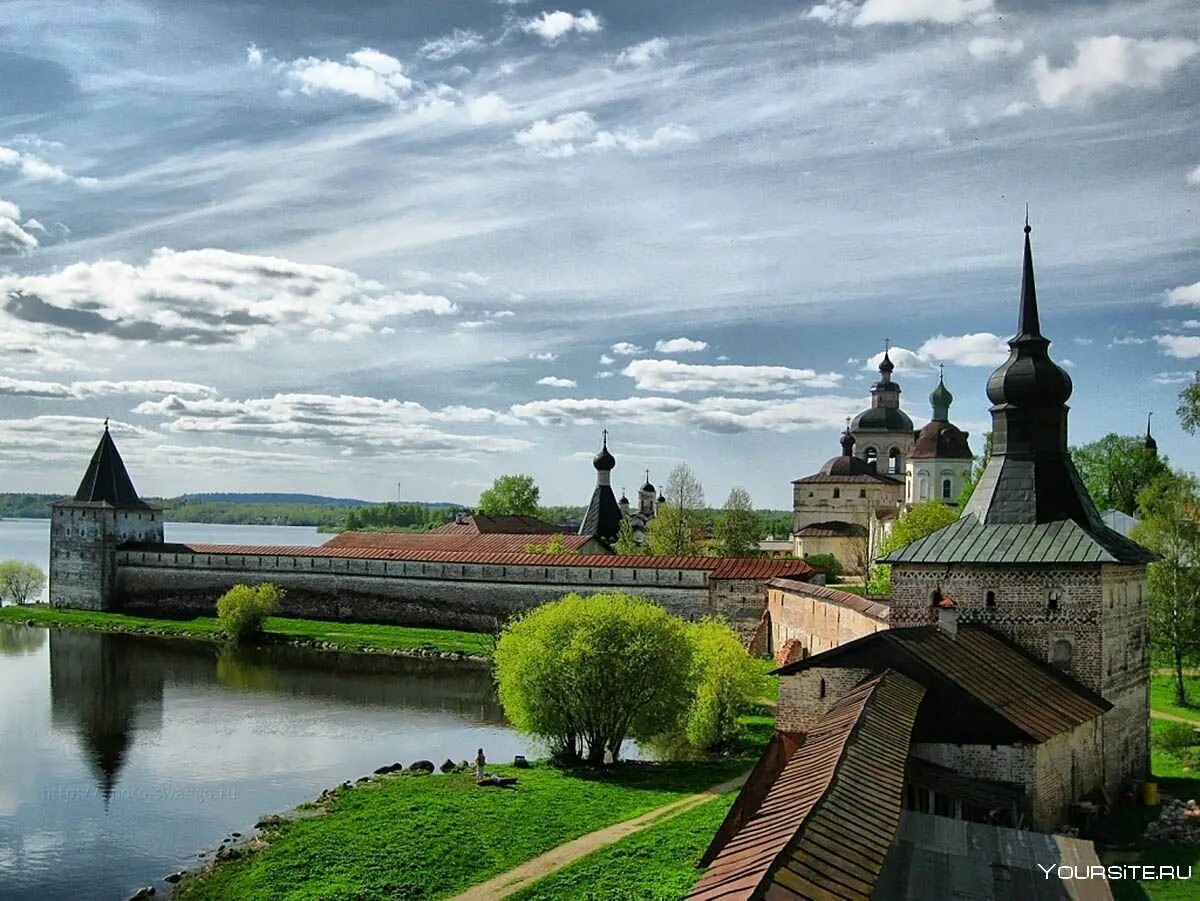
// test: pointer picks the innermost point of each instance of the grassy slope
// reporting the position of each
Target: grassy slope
(1162, 696)
(657, 863)
(433, 836)
(351, 636)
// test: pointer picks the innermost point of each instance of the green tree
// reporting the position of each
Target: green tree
(977, 469)
(828, 564)
(1115, 468)
(512, 495)
(584, 674)
(917, 522)
(1189, 406)
(738, 526)
(627, 543)
(553, 547)
(1169, 511)
(242, 609)
(677, 527)
(20, 582)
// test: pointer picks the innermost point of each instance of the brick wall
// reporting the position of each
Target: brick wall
(805, 696)
(817, 623)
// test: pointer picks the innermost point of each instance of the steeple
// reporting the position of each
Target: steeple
(847, 441)
(1150, 444)
(1030, 476)
(603, 516)
(941, 398)
(106, 479)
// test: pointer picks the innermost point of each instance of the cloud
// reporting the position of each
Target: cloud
(991, 49)
(35, 168)
(975, 349)
(663, 137)
(1103, 65)
(905, 361)
(1172, 378)
(1180, 346)
(719, 415)
(674, 377)
(553, 26)
(359, 424)
(206, 297)
(679, 345)
(553, 381)
(546, 356)
(254, 56)
(885, 12)
(367, 74)
(625, 349)
(644, 54)
(606, 360)
(1184, 296)
(461, 40)
(15, 239)
(557, 138)
(1193, 176)
(11, 387)
(1127, 339)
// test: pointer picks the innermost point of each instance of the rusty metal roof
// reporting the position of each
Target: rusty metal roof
(754, 568)
(876, 608)
(824, 828)
(475, 542)
(479, 524)
(832, 529)
(1036, 699)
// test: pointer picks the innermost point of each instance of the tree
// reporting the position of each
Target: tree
(512, 495)
(1169, 510)
(977, 469)
(920, 520)
(20, 582)
(738, 526)
(676, 527)
(242, 609)
(1189, 406)
(627, 543)
(584, 674)
(1115, 468)
(553, 547)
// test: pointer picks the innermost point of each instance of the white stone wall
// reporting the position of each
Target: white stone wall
(849, 502)
(924, 478)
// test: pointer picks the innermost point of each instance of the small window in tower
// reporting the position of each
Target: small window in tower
(810, 494)
(1060, 655)
(990, 599)
(1053, 599)
(871, 455)
(894, 461)
(862, 492)
(945, 489)
(821, 689)
(837, 492)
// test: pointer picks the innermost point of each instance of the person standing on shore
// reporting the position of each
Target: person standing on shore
(480, 763)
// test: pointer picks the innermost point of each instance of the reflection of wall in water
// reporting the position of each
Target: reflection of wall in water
(18, 640)
(104, 692)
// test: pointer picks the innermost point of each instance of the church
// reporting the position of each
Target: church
(604, 514)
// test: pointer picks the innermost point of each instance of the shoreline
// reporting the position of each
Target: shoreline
(318, 635)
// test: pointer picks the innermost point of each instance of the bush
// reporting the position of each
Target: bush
(725, 681)
(584, 674)
(241, 610)
(827, 563)
(1175, 737)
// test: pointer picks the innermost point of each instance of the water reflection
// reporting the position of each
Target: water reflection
(16, 640)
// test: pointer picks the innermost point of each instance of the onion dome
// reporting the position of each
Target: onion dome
(648, 487)
(940, 399)
(847, 443)
(886, 366)
(660, 499)
(623, 503)
(604, 461)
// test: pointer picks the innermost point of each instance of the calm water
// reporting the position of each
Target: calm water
(121, 757)
(29, 539)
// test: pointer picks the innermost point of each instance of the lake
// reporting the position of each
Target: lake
(122, 757)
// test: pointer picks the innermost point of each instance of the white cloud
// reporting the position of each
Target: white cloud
(99, 388)
(15, 239)
(1180, 346)
(552, 26)
(905, 361)
(605, 374)
(487, 109)
(367, 74)
(643, 54)
(254, 56)
(546, 356)
(945, 12)
(1083, 341)
(1122, 340)
(557, 138)
(625, 349)
(679, 345)
(1172, 378)
(207, 296)
(1184, 296)
(990, 49)
(35, 168)
(1103, 65)
(674, 377)
(1193, 176)
(606, 360)
(1190, 323)
(975, 349)
(461, 40)
(553, 381)
(720, 415)
(669, 135)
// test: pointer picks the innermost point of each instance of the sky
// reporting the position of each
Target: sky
(394, 250)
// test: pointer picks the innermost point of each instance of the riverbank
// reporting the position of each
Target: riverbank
(319, 634)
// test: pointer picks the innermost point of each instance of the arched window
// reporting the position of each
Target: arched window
(945, 489)
(922, 485)
(837, 492)
(1060, 655)
(870, 455)
(894, 461)
(990, 599)
(822, 689)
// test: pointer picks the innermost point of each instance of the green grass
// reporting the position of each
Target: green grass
(1162, 696)
(425, 837)
(657, 863)
(348, 636)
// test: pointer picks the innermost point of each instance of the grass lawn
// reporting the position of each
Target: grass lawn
(434, 836)
(1162, 696)
(656, 863)
(348, 636)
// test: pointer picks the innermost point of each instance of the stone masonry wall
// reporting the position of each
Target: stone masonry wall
(805, 696)
(818, 624)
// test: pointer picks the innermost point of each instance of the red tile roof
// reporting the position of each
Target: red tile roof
(455, 541)
(756, 568)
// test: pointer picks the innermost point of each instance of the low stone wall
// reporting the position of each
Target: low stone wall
(469, 596)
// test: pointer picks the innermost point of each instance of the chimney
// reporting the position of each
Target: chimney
(947, 616)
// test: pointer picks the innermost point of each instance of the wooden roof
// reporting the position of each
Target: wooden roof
(106, 480)
(1035, 699)
(824, 828)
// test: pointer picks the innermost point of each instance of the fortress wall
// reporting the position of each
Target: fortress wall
(467, 596)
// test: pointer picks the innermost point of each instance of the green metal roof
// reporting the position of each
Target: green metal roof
(969, 541)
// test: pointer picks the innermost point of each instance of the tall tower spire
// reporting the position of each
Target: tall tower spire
(603, 515)
(1149, 443)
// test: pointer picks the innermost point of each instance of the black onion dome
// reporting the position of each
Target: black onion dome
(661, 499)
(847, 443)
(886, 365)
(940, 398)
(604, 461)
(942, 440)
(890, 419)
(648, 487)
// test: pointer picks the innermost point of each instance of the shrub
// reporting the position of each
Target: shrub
(241, 610)
(1175, 737)
(725, 680)
(584, 674)
(827, 563)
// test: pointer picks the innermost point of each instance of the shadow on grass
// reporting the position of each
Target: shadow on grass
(1125, 829)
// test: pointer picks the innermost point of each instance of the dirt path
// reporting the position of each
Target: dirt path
(1161, 715)
(556, 858)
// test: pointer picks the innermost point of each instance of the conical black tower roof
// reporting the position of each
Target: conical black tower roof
(107, 480)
